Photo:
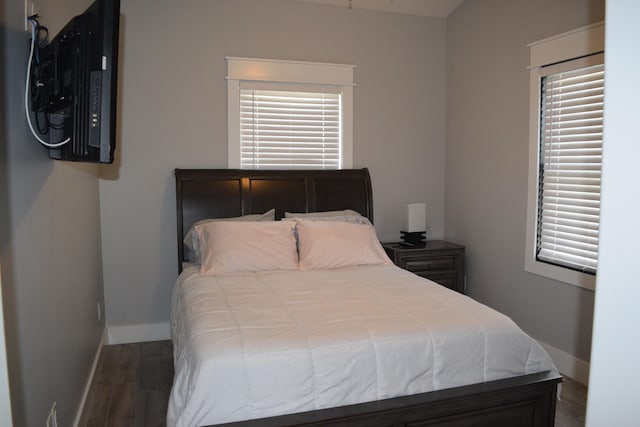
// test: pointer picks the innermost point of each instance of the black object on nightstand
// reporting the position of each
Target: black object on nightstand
(416, 238)
(437, 260)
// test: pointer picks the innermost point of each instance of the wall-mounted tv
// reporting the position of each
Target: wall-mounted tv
(74, 86)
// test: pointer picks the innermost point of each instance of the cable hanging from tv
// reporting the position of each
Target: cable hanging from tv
(37, 97)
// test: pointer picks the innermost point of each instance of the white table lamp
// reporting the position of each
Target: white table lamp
(415, 225)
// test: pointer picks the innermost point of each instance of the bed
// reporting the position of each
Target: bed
(391, 374)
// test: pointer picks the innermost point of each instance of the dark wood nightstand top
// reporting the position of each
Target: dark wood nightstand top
(438, 260)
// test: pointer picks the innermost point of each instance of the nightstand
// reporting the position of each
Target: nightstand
(440, 261)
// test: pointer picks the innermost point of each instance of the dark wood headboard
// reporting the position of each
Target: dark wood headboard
(222, 193)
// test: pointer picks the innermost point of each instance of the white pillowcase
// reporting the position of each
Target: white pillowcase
(305, 215)
(326, 244)
(191, 238)
(232, 247)
(353, 219)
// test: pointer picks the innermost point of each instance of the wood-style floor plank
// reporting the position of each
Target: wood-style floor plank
(132, 384)
(123, 404)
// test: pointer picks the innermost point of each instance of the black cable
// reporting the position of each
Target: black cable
(40, 80)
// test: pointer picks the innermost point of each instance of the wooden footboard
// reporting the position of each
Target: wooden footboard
(528, 400)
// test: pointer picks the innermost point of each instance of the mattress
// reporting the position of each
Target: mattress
(253, 345)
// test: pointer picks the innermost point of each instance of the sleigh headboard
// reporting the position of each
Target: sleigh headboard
(222, 193)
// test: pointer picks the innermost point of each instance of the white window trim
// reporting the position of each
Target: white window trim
(567, 46)
(287, 72)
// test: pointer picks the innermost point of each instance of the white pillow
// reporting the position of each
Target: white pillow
(305, 215)
(191, 238)
(348, 215)
(326, 244)
(353, 219)
(231, 247)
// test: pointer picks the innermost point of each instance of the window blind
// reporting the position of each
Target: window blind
(570, 166)
(287, 129)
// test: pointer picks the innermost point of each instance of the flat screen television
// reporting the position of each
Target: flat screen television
(78, 71)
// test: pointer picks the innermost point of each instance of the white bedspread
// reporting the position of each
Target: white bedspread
(262, 344)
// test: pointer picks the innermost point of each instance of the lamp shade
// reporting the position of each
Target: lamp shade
(415, 217)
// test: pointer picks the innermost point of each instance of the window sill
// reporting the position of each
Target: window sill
(561, 274)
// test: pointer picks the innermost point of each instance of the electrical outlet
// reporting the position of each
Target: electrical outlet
(99, 312)
(52, 419)
(30, 8)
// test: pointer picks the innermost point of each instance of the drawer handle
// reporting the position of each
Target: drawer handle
(438, 265)
(425, 265)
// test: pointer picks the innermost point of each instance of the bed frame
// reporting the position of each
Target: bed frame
(528, 400)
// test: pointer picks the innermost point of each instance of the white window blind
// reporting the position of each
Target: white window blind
(570, 165)
(289, 129)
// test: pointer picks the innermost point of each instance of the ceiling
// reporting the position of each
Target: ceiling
(435, 8)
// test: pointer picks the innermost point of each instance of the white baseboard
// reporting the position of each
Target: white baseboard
(568, 364)
(92, 373)
(138, 333)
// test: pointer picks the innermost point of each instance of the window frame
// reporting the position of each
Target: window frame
(583, 42)
(285, 75)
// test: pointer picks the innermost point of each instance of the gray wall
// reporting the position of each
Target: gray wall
(173, 114)
(487, 161)
(49, 247)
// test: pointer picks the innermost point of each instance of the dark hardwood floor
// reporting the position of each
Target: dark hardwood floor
(132, 383)
(131, 386)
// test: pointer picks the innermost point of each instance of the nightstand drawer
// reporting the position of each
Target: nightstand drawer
(437, 260)
(426, 263)
(445, 279)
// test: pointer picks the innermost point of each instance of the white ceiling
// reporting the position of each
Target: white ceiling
(435, 8)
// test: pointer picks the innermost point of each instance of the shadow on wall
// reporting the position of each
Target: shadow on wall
(112, 172)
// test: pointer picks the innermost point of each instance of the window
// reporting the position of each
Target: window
(289, 115)
(570, 164)
(281, 129)
(567, 96)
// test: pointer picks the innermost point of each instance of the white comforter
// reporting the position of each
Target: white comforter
(257, 345)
